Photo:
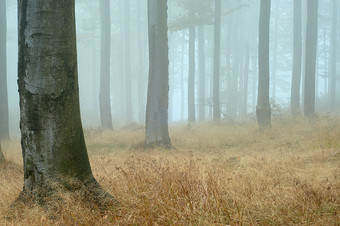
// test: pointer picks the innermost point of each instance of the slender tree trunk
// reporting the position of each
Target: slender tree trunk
(53, 145)
(4, 125)
(297, 59)
(217, 44)
(122, 59)
(245, 82)
(201, 41)
(141, 77)
(274, 70)
(263, 109)
(157, 103)
(182, 75)
(105, 48)
(311, 43)
(2, 157)
(127, 52)
(333, 71)
(191, 79)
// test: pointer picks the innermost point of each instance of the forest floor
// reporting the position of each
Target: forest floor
(216, 175)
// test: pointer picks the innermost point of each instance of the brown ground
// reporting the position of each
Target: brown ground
(218, 175)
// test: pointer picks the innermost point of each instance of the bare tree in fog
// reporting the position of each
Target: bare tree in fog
(53, 145)
(158, 88)
(217, 46)
(4, 127)
(191, 77)
(311, 43)
(201, 64)
(263, 109)
(105, 48)
(127, 54)
(297, 59)
(333, 47)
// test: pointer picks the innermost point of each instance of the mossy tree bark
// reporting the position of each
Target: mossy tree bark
(53, 146)
(4, 127)
(263, 109)
(158, 88)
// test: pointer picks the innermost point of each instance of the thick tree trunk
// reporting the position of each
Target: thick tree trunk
(105, 48)
(127, 43)
(201, 41)
(263, 109)
(4, 127)
(333, 71)
(311, 43)
(191, 78)
(217, 44)
(157, 102)
(53, 146)
(297, 59)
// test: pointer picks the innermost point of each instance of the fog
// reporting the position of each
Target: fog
(238, 59)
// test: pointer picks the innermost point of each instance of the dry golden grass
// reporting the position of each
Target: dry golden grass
(217, 175)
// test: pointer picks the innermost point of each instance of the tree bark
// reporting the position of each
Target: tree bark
(297, 59)
(191, 78)
(311, 43)
(263, 109)
(245, 82)
(53, 145)
(217, 45)
(158, 88)
(201, 41)
(105, 49)
(4, 124)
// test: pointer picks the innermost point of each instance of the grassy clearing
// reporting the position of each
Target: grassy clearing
(226, 174)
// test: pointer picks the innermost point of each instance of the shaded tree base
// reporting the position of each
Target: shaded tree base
(263, 115)
(52, 196)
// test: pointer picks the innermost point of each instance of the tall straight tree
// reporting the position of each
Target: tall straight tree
(201, 55)
(333, 71)
(4, 128)
(158, 88)
(53, 145)
(127, 54)
(263, 109)
(311, 43)
(217, 44)
(105, 49)
(191, 78)
(297, 59)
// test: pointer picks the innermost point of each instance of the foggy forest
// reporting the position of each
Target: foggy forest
(169, 112)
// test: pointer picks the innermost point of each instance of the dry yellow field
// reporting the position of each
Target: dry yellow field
(216, 175)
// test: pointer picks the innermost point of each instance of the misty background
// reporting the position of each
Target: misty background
(238, 58)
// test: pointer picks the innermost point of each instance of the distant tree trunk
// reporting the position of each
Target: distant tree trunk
(333, 71)
(122, 59)
(105, 48)
(297, 59)
(4, 127)
(191, 79)
(53, 145)
(2, 157)
(201, 45)
(127, 52)
(141, 77)
(182, 75)
(157, 102)
(311, 42)
(245, 82)
(274, 70)
(217, 44)
(263, 109)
